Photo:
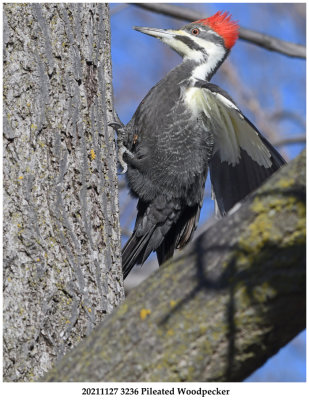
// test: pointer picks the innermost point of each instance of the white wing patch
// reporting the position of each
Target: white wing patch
(231, 131)
(217, 209)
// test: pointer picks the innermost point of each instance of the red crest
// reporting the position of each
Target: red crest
(221, 23)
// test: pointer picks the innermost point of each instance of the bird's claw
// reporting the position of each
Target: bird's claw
(121, 133)
(121, 151)
(115, 125)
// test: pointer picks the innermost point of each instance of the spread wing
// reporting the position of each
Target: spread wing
(242, 158)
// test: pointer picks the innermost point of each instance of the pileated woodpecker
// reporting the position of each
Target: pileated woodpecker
(184, 126)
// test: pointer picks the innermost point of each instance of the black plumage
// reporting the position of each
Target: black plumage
(168, 171)
(183, 127)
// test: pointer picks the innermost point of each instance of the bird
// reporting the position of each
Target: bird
(184, 128)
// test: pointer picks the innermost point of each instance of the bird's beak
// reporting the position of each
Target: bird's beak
(172, 38)
(157, 33)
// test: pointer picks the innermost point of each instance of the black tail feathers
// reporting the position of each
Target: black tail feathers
(134, 252)
(163, 237)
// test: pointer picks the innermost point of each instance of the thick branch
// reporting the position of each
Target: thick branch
(218, 311)
(260, 39)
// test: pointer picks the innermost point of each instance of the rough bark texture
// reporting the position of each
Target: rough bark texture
(61, 230)
(218, 311)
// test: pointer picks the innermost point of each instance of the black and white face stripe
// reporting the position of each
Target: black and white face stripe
(206, 50)
(190, 43)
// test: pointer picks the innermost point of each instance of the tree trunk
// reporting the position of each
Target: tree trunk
(62, 271)
(220, 309)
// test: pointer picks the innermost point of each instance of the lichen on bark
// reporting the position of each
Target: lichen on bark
(219, 309)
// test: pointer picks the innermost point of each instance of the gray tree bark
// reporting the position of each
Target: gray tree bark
(62, 271)
(220, 309)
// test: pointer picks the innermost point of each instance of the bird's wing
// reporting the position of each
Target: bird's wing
(242, 158)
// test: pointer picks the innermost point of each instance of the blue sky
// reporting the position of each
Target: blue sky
(273, 82)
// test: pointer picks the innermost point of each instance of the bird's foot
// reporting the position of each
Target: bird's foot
(121, 134)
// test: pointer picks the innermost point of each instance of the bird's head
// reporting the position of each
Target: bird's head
(204, 41)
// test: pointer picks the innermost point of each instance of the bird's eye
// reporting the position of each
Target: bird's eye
(195, 31)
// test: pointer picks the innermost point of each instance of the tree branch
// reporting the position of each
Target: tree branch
(291, 140)
(118, 8)
(289, 115)
(266, 41)
(218, 311)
